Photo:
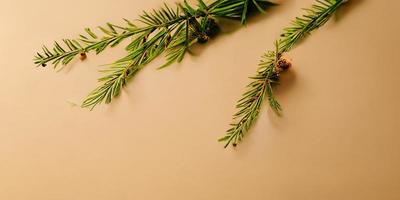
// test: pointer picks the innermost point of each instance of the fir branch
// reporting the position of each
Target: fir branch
(173, 38)
(239, 9)
(120, 72)
(113, 35)
(166, 30)
(272, 64)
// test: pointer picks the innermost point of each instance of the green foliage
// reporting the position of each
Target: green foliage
(268, 73)
(113, 35)
(238, 9)
(166, 30)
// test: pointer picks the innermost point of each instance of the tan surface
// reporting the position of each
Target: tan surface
(339, 137)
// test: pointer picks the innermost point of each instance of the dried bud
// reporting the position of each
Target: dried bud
(212, 28)
(283, 64)
(234, 144)
(83, 56)
(203, 39)
(209, 30)
(44, 65)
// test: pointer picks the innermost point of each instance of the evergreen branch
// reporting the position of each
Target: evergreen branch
(239, 9)
(249, 105)
(272, 64)
(113, 35)
(121, 71)
(315, 17)
(174, 39)
(166, 30)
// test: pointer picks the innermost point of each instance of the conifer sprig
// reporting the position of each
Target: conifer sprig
(166, 30)
(271, 65)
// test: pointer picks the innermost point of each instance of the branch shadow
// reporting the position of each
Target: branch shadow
(343, 11)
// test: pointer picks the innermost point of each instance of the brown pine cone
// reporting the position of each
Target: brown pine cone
(283, 64)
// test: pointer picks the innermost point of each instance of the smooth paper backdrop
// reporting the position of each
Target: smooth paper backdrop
(338, 138)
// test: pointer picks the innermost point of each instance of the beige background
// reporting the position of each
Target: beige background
(339, 137)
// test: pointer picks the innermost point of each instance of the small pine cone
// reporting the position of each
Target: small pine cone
(283, 64)
(212, 28)
(83, 56)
